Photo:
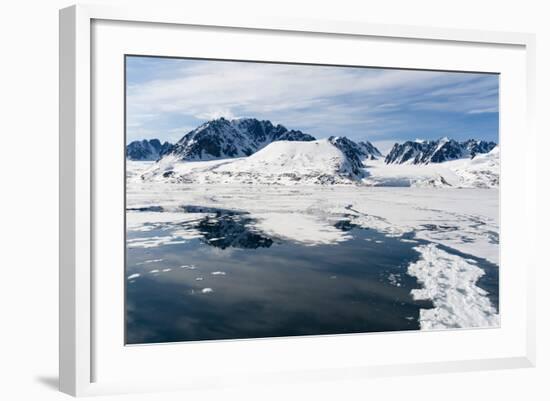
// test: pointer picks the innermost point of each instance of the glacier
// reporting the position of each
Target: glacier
(481, 171)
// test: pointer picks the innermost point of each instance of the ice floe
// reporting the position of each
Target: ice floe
(299, 227)
(449, 281)
(155, 241)
(394, 279)
(149, 261)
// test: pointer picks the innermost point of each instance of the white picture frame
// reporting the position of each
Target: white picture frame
(79, 155)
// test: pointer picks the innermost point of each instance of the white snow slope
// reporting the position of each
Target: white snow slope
(483, 171)
(281, 162)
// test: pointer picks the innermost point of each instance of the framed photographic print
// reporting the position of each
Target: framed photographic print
(277, 200)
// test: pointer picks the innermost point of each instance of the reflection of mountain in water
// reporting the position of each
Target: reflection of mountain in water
(207, 209)
(346, 224)
(232, 231)
(228, 229)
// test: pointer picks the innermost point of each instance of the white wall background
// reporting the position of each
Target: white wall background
(28, 196)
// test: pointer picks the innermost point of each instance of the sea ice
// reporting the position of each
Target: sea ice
(449, 281)
(466, 220)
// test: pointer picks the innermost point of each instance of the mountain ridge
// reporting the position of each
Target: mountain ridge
(438, 151)
(222, 138)
(147, 150)
(257, 151)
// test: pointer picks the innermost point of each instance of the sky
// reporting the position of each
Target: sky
(168, 97)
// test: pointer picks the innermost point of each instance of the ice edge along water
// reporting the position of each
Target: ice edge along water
(449, 281)
(314, 213)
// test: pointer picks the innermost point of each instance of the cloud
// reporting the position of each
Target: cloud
(214, 114)
(266, 87)
(384, 146)
(173, 135)
(493, 109)
(323, 100)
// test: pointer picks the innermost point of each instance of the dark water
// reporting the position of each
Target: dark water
(271, 287)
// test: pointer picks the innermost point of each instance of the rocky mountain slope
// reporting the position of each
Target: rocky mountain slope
(444, 149)
(147, 150)
(222, 139)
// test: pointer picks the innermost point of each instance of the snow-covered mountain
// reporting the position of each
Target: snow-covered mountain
(149, 150)
(222, 139)
(250, 151)
(481, 171)
(476, 147)
(353, 152)
(280, 162)
(356, 151)
(369, 150)
(444, 149)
